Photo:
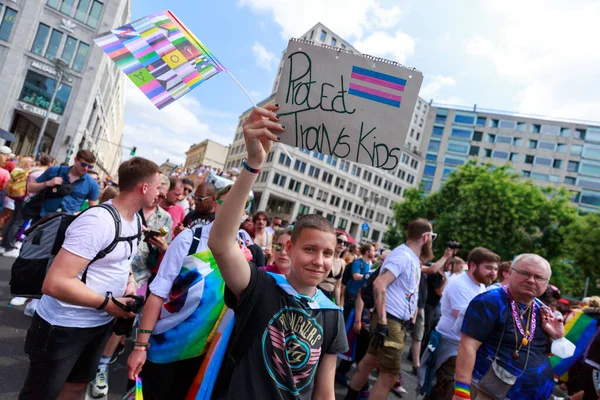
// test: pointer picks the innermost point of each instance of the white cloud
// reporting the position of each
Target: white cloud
(544, 48)
(168, 133)
(396, 47)
(264, 58)
(347, 18)
(434, 86)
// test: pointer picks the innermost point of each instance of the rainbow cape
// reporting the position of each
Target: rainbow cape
(189, 318)
(579, 330)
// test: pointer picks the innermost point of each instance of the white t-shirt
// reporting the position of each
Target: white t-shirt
(403, 292)
(89, 234)
(458, 293)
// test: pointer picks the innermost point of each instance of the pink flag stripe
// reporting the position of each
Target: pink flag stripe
(376, 81)
(374, 92)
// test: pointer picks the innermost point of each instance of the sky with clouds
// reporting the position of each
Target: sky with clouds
(534, 57)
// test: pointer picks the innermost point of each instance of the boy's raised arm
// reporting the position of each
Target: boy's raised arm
(258, 135)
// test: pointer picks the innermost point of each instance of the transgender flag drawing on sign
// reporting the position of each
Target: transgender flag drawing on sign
(376, 86)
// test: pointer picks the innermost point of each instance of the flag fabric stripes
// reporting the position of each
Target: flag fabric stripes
(161, 56)
(578, 330)
(376, 86)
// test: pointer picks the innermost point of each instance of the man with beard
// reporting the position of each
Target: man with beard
(483, 268)
(396, 292)
(204, 208)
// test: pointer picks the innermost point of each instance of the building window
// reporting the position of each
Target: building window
(529, 159)
(314, 172)
(322, 196)
(514, 157)
(285, 160)
(487, 152)
(69, 49)
(342, 223)
(300, 166)
(458, 146)
(579, 134)
(333, 42)
(474, 151)
(88, 11)
(569, 180)
(340, 183)
(429, 169)
(327, 177)
(590, 197)
(434, 145)
(7, 22)
(461, 133)
(526, 174)
(517, 142)
(557, 164)
(591, 151)
(504, 124)
(535, 128)
(438, 130)
(343, 46)
(576, 150)
(82, 51)
(550, 130)
(477, 136)
(294, 185)
(375, 235)
(37, 90)
(467, 119)
(501, 155)
(503, 139)
(323, 36)
(331, 218)
(490, 138)
(590, 168)
(303, 210)
(546, 145)
(54, 44)
(440, 118)
(543, 161)
(532, 144)
(39, 43)
(493, 123)
(270, 157)
(480, 121)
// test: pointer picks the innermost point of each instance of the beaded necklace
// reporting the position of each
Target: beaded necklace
(526, 333)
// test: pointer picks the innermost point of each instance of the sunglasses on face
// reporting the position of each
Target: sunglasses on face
(278, 246)
(200, 198)
(433, 235)
(342, 242)
(86, 165)
(187, 190)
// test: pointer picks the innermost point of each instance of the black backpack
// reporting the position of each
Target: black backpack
(347, 276)
(43, 242)
(366, 292)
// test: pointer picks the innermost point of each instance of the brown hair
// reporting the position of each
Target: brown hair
(502, 268)
(86, 155)
(263, 214)
(173, 182)
(480, 255)
(417, 228)
(366, 247)
(109, 193)
(311, 221)
(281, 233)
(135, 171)
(45, 160)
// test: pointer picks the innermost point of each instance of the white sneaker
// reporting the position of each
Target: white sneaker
(100, 385)
(18, 301)
(30, 307)
(14, 253)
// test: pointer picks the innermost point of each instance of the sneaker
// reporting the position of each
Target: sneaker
(398, 390)
(120, 350)
(14, 253)
(30, 308)
(100, 385)
(18, 301)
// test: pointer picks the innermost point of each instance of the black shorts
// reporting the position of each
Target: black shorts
(60, 354)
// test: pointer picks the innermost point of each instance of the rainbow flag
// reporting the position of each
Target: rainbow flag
(204, 382)
(161, 56)
(135, 393)
(579, 330)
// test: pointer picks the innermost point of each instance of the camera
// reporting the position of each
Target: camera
(453, 244)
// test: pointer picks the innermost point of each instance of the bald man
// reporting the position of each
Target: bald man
(512, 327)
(204, 212)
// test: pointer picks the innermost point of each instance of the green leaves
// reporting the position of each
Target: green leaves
(490, 206)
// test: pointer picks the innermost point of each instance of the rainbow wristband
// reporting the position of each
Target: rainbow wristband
(462, 390)
(249, 168)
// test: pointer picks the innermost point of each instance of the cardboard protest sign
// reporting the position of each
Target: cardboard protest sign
(161, 56)
(355, 107)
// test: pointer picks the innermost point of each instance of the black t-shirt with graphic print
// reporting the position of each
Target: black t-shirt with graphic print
(198, 219)
(283, 357)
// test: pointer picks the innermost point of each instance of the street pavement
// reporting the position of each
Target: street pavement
(14, 362)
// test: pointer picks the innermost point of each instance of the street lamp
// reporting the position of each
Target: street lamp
(62, 72)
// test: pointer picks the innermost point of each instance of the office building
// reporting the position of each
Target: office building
(347, 193)
(206, 153)
(547, 151)
(88, 112)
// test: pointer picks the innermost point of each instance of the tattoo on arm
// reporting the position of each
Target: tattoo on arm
(376, 294)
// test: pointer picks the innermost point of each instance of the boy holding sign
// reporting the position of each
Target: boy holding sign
(288, 325)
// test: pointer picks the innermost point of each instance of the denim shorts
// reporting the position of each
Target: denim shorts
(60, 354)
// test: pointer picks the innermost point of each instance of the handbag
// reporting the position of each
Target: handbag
(33, 206)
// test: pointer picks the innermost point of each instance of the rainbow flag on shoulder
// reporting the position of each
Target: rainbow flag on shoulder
(579, 330)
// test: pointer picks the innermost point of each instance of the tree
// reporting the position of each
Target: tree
(583, 248)
(490, 206)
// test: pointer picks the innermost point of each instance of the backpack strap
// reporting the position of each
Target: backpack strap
(103, 253)
(195, 241)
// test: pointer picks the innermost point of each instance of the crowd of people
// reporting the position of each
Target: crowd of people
(307, 304)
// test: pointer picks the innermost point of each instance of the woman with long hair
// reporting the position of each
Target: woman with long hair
(332, 285)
